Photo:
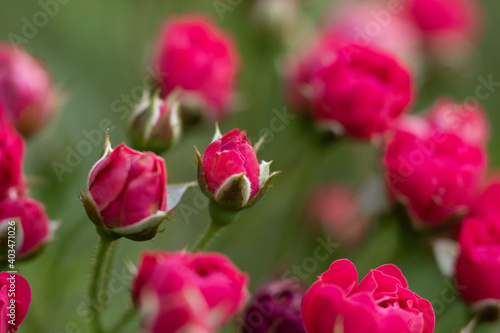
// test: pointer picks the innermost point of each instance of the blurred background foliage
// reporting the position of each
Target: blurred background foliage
(98, 52)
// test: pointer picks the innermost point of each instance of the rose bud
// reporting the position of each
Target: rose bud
(436, 174)
(478, 264)
(349, 89)
(10, 303)
(127, 193)
(380, 303)
(229, 174)
(373, 23)
(197, 56)
(336, 208)
(275, 308)
(11, 159)
(26, 90)
(32, 229)
(186, 292)
(155, 124)
(468, 122)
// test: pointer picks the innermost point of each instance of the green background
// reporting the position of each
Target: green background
(98, 51)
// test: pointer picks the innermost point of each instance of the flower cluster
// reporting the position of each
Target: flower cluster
(357, 79)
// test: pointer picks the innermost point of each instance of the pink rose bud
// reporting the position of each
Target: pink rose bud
(186, 292)
(26, 90)
(32, 229)
(374, 23)
(468, 122)
(229, 172)
(350, 89)
(155, 124)
(436, 174)
(11, 159)
(478, 264)
(336, 208)
(13, 307)
(197, 56)
(127, 193)
(380, 303)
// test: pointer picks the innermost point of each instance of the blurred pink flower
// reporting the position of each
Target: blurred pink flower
(348, 88)
(33, 225)
(336, 208)
(181, 291)
(26, 90)
(11, 159)
(478, 264)
(434, 172)
(469, 123)
(197, 56)
(378, 24)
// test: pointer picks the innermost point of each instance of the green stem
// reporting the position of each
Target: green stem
(124, 320)
(100, 267)
(208, 237)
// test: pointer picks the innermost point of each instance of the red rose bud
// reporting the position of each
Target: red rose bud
(380, 303)
(127, 193)
(26, 90)
(478, 264)
(11, 159)
(229, 172)
(186, 292)
(197, 56)
(336, 208)
(275, 308)
(155, 124)
(436, 174)
(32, 228)
(15, 299)
(350, 89)
(468, 122)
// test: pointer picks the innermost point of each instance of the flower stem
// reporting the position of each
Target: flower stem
(208, 237)
(100, 268)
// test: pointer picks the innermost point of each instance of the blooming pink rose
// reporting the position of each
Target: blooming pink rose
(468, 122)
(33, 229)
(336, 208)
(186, 292)
(19, 304)
(11, 158)
(229, 171)
(349, 88)
(196, 55)
(26, 90)
(127, 193)
(435, 173)
(375, 23)
(381, 302)
(478, 264)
